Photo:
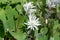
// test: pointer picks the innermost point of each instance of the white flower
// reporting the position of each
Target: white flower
(29, 8)
(52, 3)
(33, 22)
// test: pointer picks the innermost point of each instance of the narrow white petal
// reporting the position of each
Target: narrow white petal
(33, 28)
(26, 23)
(36, 27)
(28, 27)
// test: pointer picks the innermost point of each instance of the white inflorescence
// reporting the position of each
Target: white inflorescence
(33, 22)
(52, 3)
(29, 8)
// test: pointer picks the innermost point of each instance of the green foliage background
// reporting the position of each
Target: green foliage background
(12, 18)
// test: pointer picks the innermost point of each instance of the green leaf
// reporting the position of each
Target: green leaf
(56, 36)
(11, 13)
(41, 36)
(15, 1)
(1, 38)
(20, 20)
(58, 10)
(56, 24)
(23, 1)
(58, 15)
(19, 9)
(44, 37)
(32, 0)
(44, 30)
(18, 35)
(3, 18)
(3, 1)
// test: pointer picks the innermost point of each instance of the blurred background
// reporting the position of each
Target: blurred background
(13, 17)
